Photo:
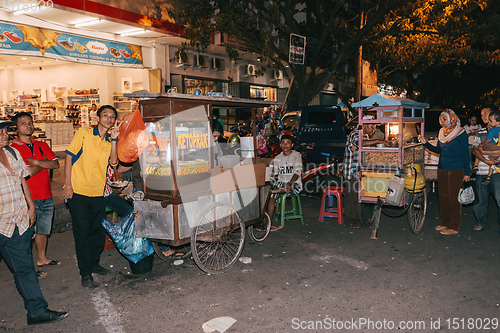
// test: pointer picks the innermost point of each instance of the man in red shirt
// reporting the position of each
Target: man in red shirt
(39, 158)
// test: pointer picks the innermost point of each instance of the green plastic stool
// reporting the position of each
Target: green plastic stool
(282, 214)
(115, 215)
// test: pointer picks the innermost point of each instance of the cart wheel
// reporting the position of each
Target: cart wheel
(416, 212)
(366, 213)
(181, 252)
(218, 240)
(259, 231)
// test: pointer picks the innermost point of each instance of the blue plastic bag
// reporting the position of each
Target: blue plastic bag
(123, 235)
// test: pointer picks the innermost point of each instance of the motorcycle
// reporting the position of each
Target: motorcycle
(316, 178)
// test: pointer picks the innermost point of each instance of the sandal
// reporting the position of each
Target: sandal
(273, 228)
(486, 181)
(479, 228)
(41, 274)
(441, 227)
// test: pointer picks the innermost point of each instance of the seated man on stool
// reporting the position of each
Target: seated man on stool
(288, 167)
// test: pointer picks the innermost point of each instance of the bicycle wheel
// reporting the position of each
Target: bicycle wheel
(259, 231)
(416, 212)
(180, 252)
(218, 239)
(366, 213)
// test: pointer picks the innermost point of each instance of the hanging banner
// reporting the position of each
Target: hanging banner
(297, 49)
(40, 42)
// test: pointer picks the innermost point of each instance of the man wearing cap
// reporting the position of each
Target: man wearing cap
(351, 168)
(18, 214)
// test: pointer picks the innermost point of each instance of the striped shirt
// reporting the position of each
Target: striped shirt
(14, 209)
(351, 157)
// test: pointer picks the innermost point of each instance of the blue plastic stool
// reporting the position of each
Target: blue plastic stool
(282, 214)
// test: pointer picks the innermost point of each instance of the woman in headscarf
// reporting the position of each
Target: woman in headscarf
(453, 169)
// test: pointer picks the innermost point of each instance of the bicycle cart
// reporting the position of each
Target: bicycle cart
(189, 202)
(391, 179)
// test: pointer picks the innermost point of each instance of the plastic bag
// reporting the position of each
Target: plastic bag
(123, 235)
(466, 196)
(133, 138)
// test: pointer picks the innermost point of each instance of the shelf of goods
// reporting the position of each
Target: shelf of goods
(60, 132)
(77, 109)
(123, 104)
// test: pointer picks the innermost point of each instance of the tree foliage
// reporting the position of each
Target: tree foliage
(455, 43)
(405, 38)
(332, 29)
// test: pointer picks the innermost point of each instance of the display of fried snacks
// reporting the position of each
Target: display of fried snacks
(66, 45)
(114, 52)
(80, 47)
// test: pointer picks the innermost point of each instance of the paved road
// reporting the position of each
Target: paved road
(300, 277)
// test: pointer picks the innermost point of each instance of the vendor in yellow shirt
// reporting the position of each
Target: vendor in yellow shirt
(87, 158)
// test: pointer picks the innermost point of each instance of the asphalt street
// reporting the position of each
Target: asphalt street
(320, 277)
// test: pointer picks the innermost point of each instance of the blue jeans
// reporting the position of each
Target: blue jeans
(17, 254)
(483, 196)
(118, 204)
(44, 215)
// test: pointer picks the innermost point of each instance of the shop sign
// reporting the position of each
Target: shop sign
(41, 42)
(297, 49)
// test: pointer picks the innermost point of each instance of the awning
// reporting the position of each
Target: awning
(40, 42)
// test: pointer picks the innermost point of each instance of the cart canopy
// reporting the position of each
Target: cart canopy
(384, 100)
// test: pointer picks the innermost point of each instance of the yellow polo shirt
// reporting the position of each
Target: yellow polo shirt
(90, 157)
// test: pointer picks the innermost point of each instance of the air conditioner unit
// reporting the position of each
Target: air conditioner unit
(277, 74)
(217, 64)
(201, 61)
(250, 69)
(183, 59)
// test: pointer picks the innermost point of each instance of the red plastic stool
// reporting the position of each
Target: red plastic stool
(329, 210)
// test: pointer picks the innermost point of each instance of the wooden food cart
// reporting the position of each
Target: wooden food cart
(189, 200)
(401, 162)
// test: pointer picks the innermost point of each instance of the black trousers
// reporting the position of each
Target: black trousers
(89, 234)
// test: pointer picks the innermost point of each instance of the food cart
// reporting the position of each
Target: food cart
(189, 200)
(392, 171)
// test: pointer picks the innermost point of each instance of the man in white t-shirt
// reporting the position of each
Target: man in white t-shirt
(287, 166)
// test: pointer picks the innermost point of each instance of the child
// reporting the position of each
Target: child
(288, 167)
(491, 143)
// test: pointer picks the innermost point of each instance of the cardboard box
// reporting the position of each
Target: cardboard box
(239, 177)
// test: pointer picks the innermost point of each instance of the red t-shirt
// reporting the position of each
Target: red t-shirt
(40, 183)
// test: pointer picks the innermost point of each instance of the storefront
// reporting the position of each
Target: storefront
(62, 74)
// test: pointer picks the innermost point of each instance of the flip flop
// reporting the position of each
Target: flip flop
(273, 228)
(479, 228)
(51, 263)
(41, 274)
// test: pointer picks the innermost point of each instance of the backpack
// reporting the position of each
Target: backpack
(11, 150)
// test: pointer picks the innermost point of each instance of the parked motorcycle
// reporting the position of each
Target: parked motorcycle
(318, 176)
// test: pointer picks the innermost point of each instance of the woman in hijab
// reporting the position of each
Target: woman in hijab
(453, 169)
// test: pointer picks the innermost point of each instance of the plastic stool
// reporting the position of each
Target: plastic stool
(330, 211)
(115, 215)
(296, 213)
